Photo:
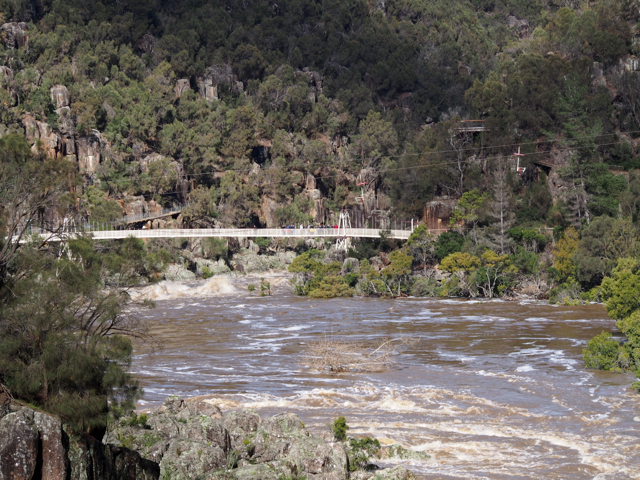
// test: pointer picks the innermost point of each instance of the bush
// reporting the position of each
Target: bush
(448, 243)
(601, 352)
(340, 428)
(424, 287)
(360, 453)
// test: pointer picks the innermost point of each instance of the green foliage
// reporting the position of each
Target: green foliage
(566, 248)
(340, 428)
(448, 243)
(621, 291)
(601, 352)
(265, 288)
(459, 261)
(136, 420)
(360, 452)
(317, 279)
(251, 287)
(206, 273)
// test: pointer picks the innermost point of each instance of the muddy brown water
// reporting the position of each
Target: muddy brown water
(490, 389)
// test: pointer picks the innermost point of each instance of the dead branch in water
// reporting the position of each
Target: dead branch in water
(340, 357)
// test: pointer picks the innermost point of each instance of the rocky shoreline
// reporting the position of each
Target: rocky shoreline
(181, 440)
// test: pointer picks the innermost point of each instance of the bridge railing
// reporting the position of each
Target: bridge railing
(251, 232)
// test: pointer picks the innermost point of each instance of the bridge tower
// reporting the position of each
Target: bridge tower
(343, 242)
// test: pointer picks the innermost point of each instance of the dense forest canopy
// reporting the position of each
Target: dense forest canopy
(334, 89)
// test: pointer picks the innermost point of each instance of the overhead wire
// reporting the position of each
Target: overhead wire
(312, 165)
(412, 167)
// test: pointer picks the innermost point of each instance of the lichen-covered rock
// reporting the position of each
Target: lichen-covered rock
(18, 446)
(177, 273)
(188, 459)
(399, 452)
(242, 426)
(261, 472)
(395, 473)
(15, 34)
(213, 267)
(314, 456)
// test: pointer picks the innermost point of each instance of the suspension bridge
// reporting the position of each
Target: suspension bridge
(313, 232)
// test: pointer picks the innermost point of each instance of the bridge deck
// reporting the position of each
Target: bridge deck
(234, 232)
(251, 232)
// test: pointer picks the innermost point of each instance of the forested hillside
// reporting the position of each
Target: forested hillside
(234, 105)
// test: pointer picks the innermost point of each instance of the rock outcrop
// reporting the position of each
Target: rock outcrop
(35, 445)
(15, 35)
(182, 440)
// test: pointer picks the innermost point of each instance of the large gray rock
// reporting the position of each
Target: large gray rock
(18, 446)
(177, 273)
(182, 86)
(214, 267)
(60, 96)
(89, 154)
(15, 35)
(188, 459)
(42, 132)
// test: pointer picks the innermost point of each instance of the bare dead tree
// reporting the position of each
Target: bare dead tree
(336, 356)
(500, 207)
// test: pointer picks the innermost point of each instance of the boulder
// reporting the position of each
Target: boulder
(148, 160)
(397, 451)
(18, 446)
(187, 459)
(60, 96)
(53, 444)
(15, 35)
(177, 273)
(350, 265)
(182, 86)
(395, 473)
(40, 135)
(215, 267)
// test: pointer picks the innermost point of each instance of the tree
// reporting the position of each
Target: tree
(29, 186)
(491, 276)
(396, 274)
(500, 207)
(468, 210)
(422, 245)
(563, 253)
(64, 329)
(621, 295)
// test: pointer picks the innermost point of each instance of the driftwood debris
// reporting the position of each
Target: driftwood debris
(336, 356)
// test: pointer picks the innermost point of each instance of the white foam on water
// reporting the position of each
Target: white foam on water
(525, 368)
(169, 290)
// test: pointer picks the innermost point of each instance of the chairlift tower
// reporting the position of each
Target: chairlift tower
(343, 242)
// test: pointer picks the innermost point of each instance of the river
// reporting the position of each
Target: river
(490, 389)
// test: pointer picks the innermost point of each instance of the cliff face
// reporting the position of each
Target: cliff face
(34, 445)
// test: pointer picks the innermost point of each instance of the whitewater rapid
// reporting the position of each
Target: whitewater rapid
(489, 389)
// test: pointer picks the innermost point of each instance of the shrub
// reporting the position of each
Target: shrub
(340, 428)
(601, 352)
(360, 453)
(448, 243)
